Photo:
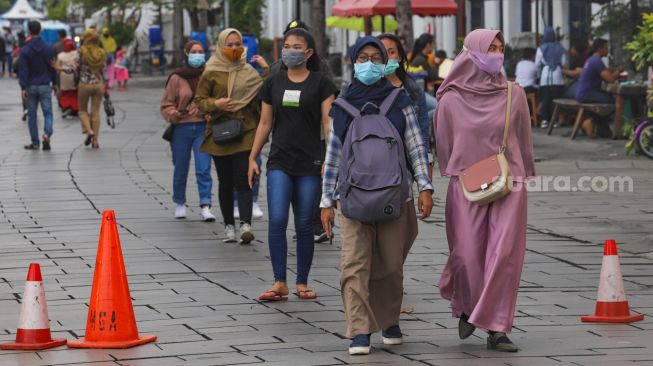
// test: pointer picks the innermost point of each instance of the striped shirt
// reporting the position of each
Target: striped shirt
(415, 148)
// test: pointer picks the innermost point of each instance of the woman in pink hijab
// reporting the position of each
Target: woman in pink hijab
(486, 242)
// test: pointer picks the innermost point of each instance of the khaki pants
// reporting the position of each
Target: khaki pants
(94, 92)
(372, 276)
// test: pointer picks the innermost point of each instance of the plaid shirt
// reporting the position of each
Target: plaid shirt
(415, 148)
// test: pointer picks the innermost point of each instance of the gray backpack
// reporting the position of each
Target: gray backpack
(373, 180)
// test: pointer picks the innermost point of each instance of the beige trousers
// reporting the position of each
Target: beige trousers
(372, 263)
(94, 92)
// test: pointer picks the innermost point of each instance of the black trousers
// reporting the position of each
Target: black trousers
(232, 172)
(548, 93)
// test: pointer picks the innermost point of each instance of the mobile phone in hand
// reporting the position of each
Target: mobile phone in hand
(183, 111)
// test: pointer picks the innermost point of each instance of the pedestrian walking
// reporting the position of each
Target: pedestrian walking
(374, 135)
(550, 58)
(3, 56)
(110, 46)
(59, 46)
(67, 67)
(121, 71)
(37, 81)
(189, 125)
(486, 242)
(228, 91)
(9, 45)
(296, 104)
(92, 85)
(395, 72)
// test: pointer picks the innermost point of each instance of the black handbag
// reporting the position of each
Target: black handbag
(167, 134)
(227, 131)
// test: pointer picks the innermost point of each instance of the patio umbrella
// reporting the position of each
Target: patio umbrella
(358, 23)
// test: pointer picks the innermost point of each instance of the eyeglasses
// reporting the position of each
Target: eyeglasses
(376, 58)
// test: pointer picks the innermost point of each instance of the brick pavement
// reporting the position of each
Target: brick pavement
(199, 294)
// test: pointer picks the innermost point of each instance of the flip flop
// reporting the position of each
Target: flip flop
(303, 294)
(273, 296)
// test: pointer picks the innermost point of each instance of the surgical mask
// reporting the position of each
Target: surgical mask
(293, 58)
(488, 62)
(233, 54)
(196, 60)
(391, 67)
(368, 73)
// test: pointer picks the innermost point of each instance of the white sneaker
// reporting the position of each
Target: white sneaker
(236, 212)
(206, 214)
(230, 234)
(180, 212)
(246, 234)
(257, 214)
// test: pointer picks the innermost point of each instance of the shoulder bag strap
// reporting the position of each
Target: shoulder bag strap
(389, 101)
(504, 144)
(347, 107)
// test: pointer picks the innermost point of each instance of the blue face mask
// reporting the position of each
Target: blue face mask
(368, 73)
(196, 60)
(391, 67)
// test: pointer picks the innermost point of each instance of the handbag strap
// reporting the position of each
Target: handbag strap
(504, 144)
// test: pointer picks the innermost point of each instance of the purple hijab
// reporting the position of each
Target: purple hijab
(470, 117)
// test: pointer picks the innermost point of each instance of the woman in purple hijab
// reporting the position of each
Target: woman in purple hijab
(486, 242)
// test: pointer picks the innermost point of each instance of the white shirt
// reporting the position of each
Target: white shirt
(547, 77)
(526, 73)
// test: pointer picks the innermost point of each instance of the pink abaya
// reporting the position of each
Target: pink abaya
(486, 243)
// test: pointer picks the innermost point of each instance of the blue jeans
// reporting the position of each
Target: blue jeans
(188, 137)
(301, 190)
(39, 94)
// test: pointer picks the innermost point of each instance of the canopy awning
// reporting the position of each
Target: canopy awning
(367, 8)
(341, 8)
(22, 10)
(358, 23)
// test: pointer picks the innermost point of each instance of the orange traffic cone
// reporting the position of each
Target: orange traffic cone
(33, 325)
(611, 303)
(111, 322)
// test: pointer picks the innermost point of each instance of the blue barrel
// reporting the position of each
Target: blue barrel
(50, 35)
(156, 37)
(251, 44)
(201, 38)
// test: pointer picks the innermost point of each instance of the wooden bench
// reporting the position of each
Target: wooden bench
(580, 109)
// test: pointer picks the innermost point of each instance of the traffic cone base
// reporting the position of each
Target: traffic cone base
(31, 345)
(611, 304)
(33, 325)
(83, 343)
(613, 312)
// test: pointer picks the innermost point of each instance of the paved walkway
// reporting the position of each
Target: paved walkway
(199, 294)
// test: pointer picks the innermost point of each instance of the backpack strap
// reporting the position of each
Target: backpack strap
(347, 107)
(389, 101)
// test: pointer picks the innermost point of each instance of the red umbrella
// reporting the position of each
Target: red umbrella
(342, 8)
(367, 8)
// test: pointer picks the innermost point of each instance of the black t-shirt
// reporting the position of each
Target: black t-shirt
(296, 147)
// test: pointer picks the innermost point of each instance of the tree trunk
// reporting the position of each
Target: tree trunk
(203, 15)
(405, 21)
(318, 10)
(109, 18)
(177, 34)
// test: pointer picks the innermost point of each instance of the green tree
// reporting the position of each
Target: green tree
(4, 6)
(58, 9)
(246, 15)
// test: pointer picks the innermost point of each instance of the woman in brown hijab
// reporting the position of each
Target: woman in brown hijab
(92, 61)
(228, 91)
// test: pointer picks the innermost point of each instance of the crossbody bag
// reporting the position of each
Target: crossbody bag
(490, 179)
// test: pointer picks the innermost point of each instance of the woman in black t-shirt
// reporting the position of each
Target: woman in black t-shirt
(296, 104)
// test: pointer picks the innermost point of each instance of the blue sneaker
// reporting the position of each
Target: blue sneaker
(393, 336)
(360, 345)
